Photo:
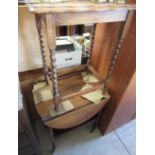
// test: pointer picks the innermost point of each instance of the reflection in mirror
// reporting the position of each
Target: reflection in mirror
(73, 45)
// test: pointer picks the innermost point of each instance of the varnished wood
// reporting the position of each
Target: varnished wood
(61, 72)
(66, 88)
(93, 29)
(49, 83)
(123, 72)
(77, 6)
(126, 107)
(104, 46)
(90, 17)
(51, 32)
(127, 24)
(39, 24)
(131, 1)
(72, 69)
(51, 40)
(76, 117)
(122, 35)
(82, 92)
(95, 73)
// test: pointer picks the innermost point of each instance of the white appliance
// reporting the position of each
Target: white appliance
(68, 52)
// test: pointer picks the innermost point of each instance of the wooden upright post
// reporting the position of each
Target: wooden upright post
(51, 41)
(123, 31)
(92, 44)
(39, 25)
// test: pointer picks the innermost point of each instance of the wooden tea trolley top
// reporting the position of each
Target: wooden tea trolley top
(77, 6)
(82, 12)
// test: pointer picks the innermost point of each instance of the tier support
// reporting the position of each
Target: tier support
(39, 25)
(51, 41)
(123, 31)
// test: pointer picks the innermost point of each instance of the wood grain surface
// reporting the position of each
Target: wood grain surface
(123, 73)
(106, 37)
(90, 17)
(77, 6)
(126, 107)
(77, 117)
(67, 86)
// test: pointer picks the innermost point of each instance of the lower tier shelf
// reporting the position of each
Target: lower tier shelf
(78, 115)
(83, 108)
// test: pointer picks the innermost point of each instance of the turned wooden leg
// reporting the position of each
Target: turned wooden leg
(39, 24)
(51, 40)
(122, 34)
(92, 43)
(54, 79)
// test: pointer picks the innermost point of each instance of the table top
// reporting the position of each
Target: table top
(74, 6)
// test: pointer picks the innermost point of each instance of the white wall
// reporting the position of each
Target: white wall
(28, 45)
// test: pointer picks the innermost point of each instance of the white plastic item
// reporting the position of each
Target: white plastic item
(67, 59)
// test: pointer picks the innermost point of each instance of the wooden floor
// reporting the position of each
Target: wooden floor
(81, 142)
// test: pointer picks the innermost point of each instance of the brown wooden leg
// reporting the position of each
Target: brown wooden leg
(92, 43)
(51, 40)
(96, 122)
(39, 25)
(52, 140)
